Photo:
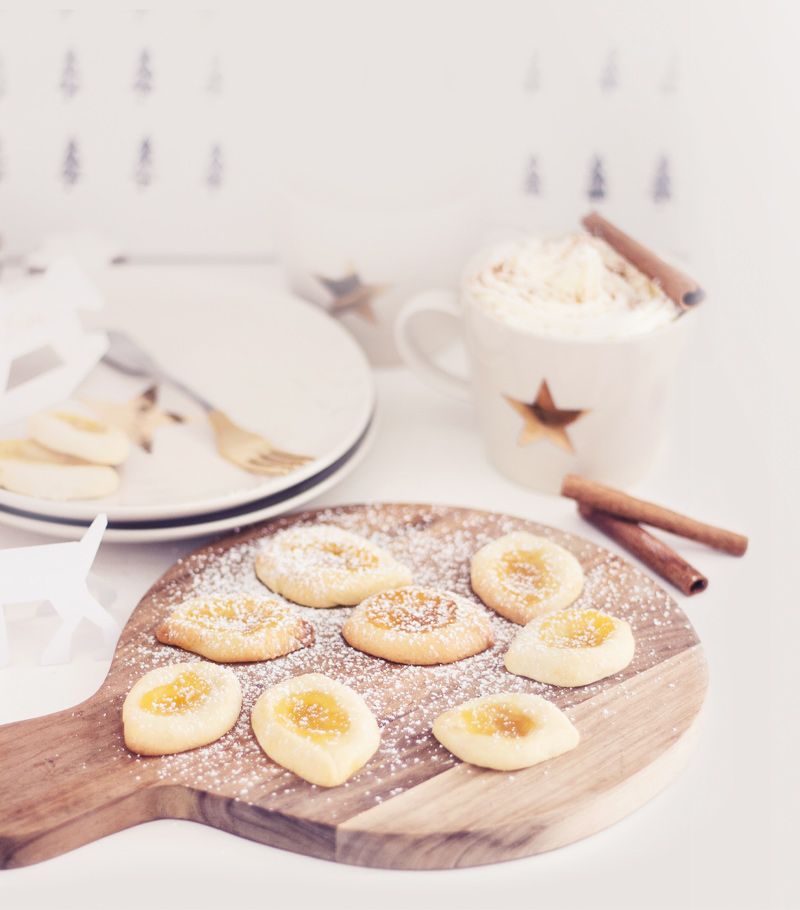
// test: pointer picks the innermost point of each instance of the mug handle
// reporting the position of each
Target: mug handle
(435, 301)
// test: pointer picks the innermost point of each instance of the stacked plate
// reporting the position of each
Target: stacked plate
(276, 365)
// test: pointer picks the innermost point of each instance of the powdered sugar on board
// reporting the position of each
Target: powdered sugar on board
(437, 542)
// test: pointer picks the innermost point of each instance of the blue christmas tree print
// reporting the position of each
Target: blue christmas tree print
(71, 168)
(143, 79)
(532, 185)
(214, 174)
(70, 82)
(143, 173)
(609, 77)
(597, 189)
(662, 183)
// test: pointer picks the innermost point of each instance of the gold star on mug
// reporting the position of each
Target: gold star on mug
(543, 420)
(350, 293)
(139, 418)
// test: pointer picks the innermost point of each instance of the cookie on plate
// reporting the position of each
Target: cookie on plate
(31, 470)
(319, 728)
(415, 625)
(507, 731)
(326, 566)
(523, 576)
(84, 437)
(180, 707)
(235, 628)
(571, 648)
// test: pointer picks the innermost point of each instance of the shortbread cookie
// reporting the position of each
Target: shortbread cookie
(326, 566)
(416, 625)
(30, 469)
(84, 437)
(180, 707)
(506, 732)
(316, 727)
(571, 648)
(232, 629)
(523, 576)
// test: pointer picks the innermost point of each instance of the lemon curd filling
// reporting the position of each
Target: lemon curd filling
(411, 611)
(185, 693)
(338, 555)
(81, 423)
(525, 572)
(246, 616)
(352, 557)
(497, 719)
(576, 629)
(316, 715)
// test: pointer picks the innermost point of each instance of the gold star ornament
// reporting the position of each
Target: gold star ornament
(543, 420)
(349, 293)
(139, 418)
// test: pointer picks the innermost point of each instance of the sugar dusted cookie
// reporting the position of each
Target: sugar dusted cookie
(326, 566)
(316, 727)
(235, 628)
(506, 732)
(414, 625)
(84, 437)
(180, 707)
(523, 576)
(30, 469)
(571, 648)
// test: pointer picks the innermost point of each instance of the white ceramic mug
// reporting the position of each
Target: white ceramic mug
(361, 261)
(548, 406)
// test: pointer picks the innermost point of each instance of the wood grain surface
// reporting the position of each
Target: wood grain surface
(67, 779)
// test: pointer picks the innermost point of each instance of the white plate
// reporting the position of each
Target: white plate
(198, 526)
(277, 365)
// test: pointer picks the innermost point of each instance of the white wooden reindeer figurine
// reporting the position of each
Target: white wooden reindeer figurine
(56, 573)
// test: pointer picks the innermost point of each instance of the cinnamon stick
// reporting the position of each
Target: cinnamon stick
(649, 549)
(607, 499)
(680, 288)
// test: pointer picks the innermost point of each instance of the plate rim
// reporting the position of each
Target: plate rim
(146, 533)
(84, 510)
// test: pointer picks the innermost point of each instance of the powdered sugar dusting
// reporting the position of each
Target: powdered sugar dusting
(437, 544)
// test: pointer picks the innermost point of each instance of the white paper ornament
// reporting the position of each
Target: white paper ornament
(56, 573)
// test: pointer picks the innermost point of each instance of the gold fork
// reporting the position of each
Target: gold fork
(250, 451)
(247, 450)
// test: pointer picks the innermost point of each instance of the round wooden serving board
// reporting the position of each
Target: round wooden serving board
(68, 779)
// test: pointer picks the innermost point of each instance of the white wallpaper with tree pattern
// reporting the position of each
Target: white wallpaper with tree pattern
(171, 132)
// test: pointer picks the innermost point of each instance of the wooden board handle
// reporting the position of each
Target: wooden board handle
(65, 781)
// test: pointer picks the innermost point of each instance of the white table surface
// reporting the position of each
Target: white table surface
(713, 839)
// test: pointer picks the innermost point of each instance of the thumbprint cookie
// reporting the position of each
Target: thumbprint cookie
(32, 470)
(326, 566)
(571, 648)
(236, 628)
(180, 707)
(506, 732)
(415, 625)
(319, 728)
(84, 437)
(523, 576)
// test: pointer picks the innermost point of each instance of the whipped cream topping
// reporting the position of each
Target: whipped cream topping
(572, 286)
